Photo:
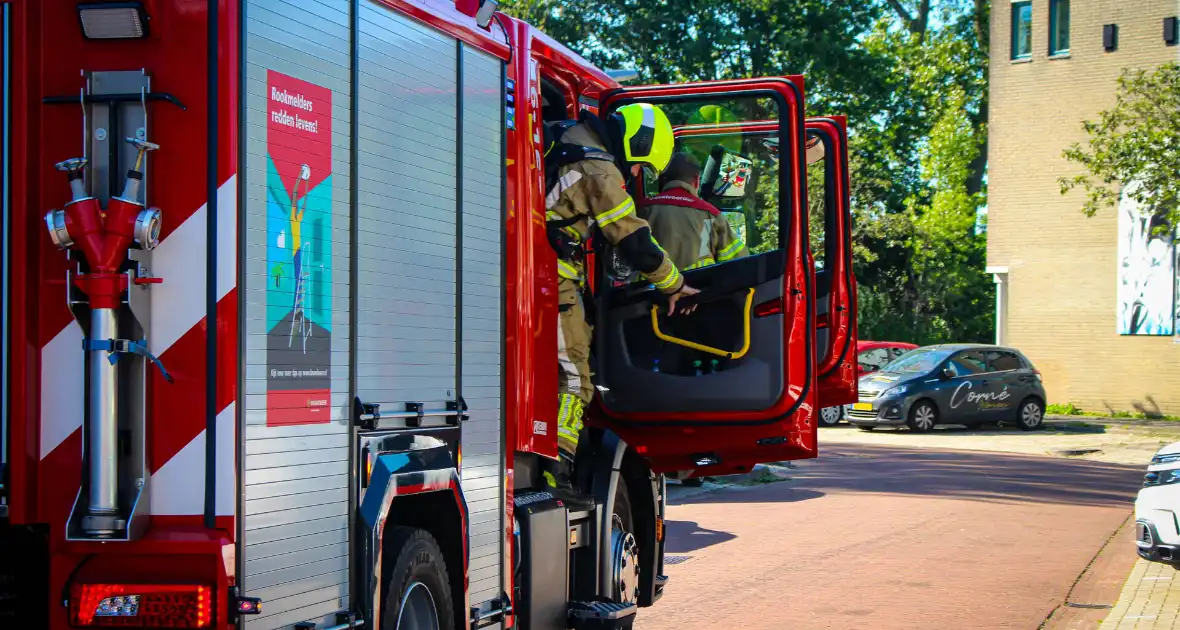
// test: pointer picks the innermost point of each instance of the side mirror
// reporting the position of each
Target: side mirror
(946, 374)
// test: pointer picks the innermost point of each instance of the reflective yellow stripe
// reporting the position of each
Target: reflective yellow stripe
(670, 281)
(569, 421)
(563, 411)
(733, 250)
(614, 214)
(569, 414)
(568, 271)
(704, 262)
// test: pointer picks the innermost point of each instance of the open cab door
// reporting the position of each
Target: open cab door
(830, 235)
(831, 245)
(733, 384)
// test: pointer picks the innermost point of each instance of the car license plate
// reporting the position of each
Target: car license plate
(862, 406)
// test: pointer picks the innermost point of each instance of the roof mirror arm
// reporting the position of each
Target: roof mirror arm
(711, 171)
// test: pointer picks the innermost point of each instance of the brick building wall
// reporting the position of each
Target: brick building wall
(1062, 268)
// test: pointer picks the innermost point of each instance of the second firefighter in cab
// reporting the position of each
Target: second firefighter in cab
(691, 229)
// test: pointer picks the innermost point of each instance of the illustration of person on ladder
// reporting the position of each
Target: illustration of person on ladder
(297, 248)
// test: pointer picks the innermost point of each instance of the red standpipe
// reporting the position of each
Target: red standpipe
(104, 238)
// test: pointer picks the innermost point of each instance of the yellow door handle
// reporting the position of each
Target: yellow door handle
(655, 326)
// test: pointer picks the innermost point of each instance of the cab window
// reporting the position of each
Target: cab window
(739, 171)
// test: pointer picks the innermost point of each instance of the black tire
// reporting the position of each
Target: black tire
(830, 416)
(923, 416)
(622, 507)
(419, 565)
(1030, 415)
(692, 482)
(865, 427)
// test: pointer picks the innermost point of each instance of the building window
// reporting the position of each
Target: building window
(1021, 30)
(1058, 27)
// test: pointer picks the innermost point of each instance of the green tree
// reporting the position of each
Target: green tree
(1136, 141)
(918, 179)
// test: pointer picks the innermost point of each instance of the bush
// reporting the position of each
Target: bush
(1068, 409)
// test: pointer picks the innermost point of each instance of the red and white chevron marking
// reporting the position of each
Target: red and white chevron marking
(176, 419)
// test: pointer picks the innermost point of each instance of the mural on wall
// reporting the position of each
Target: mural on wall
(298, 251)
(1147, 272)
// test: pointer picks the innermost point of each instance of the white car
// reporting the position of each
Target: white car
(1157, 531)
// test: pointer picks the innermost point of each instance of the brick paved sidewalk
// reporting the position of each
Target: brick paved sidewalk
(1150, 599)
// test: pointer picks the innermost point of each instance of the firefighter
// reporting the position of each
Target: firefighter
(585, 161)
(690, 228)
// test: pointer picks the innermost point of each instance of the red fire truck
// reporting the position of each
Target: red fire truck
(279, 320)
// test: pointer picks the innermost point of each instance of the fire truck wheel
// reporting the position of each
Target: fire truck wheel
(418, 596)
(624, 550)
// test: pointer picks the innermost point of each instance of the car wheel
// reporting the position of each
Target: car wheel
(923, 417)
(831, 416)
(419, 593)
(1031, 415)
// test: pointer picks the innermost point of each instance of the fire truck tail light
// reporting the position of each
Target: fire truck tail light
(113, 20)
(141, 605)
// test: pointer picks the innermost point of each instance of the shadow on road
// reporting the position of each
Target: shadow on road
(1050, 428)
(687, 536)
(972, 475)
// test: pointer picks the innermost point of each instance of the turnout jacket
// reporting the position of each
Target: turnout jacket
(592, 191)
(692, 230)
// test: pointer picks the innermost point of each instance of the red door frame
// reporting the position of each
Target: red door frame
(837, 374)
(786, 430)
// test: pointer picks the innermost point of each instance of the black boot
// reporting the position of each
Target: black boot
(558, 480)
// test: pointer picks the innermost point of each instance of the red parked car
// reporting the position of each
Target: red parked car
(870, 357)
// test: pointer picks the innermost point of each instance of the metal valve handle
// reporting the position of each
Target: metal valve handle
(73, 168)
(143, 146)
(72, 164)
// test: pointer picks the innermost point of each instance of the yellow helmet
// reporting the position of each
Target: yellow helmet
(647, 135)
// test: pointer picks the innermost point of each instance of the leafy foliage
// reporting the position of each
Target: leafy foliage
(1136, 144)
(911, 75)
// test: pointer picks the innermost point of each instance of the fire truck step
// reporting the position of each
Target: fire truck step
(602, 615)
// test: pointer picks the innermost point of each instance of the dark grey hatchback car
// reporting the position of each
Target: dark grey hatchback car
(966, 384)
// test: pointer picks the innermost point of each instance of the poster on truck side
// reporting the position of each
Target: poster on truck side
(298, 251)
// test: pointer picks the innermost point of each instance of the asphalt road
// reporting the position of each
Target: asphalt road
(884, 537)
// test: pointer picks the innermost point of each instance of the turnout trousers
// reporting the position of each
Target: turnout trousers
(574, 388)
